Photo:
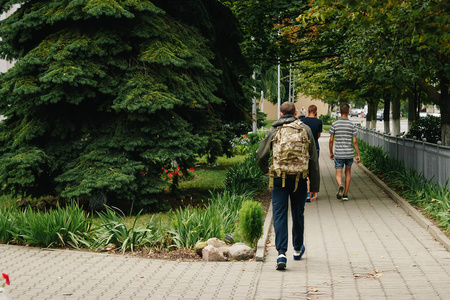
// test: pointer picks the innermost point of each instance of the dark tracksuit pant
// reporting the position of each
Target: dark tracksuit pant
(280, 206)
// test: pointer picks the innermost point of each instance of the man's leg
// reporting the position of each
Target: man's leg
(339, 176)
(339, 165)
(348, 178)
(297, 211)
(280, 210)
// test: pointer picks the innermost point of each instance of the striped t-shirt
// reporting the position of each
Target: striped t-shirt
(344, 131)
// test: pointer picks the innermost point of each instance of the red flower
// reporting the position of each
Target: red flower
(167, 171)
(192, 169)
(6, 277)
(178, 167)
(170, 175)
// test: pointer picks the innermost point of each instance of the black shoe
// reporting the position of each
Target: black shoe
(340, 192)
(345, 197)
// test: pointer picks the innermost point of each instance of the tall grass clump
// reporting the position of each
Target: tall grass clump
(433, 198)
(246, 177)
(64, 226)
(113, 230)
(219, 217)
(8, 225)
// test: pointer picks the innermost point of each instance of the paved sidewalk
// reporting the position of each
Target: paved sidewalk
(365, 248)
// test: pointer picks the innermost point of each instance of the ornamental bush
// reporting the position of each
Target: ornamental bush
(428, 128)
(251, 221)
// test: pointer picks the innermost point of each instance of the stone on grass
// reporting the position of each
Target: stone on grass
(216, 243)
(199, 247)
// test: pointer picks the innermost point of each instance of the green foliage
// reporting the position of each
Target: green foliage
(192, 225)
(251, 221)
(428, 128)
(113, 230)
(8, 225)
(244, 144)
(414, 187)
(67, 226)
(326, 119)
(104, 96)
(246, 177)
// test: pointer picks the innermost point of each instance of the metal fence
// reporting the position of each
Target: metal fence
(432, 160)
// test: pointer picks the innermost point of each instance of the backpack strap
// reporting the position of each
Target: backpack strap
(297, 178)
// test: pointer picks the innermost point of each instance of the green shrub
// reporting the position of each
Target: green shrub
(428, 128)
(246, 177)
(326, 119)
(251, 221)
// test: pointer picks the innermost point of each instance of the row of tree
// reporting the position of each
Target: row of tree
(357, 51)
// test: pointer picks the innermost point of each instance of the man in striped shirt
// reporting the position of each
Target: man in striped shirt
(342, 135)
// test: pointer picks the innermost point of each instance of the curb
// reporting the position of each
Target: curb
(410, 210)
(261, 246)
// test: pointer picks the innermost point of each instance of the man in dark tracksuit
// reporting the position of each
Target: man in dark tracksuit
(281, 195)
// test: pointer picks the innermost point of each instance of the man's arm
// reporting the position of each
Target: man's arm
(263, 152)
(313, 165)
(331, 143)
(355, 144)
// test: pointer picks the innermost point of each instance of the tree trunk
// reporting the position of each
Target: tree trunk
(369, 115)
(445, 113)
(387, 109)
(412, 105)
(396, 115)
(371, 119)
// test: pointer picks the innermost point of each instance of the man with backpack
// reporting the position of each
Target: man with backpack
(294, 158)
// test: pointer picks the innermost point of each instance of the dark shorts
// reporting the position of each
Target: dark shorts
(339, 162)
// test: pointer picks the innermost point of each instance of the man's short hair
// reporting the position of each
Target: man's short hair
(345, 109)
(312, 109)
(287, 108)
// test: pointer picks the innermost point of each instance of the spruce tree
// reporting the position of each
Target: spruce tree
(105, 95)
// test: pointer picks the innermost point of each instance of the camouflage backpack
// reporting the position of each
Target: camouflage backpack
(290, 152)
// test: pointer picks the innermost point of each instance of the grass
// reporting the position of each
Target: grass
(210, 177)
(7, 201)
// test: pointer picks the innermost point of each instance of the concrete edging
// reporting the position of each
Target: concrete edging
(261, 246)
(410, 210)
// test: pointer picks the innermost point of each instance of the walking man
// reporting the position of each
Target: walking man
(316, 127)
(342, 135)
(294, 157)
